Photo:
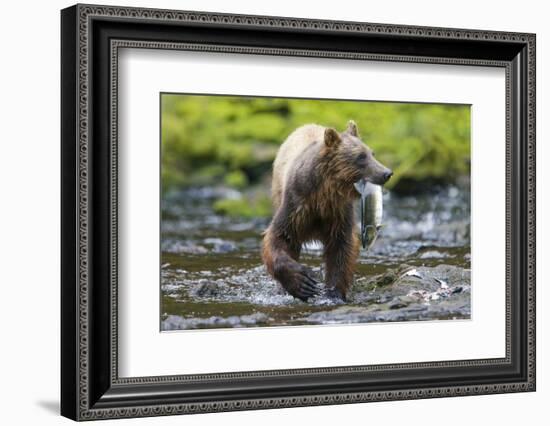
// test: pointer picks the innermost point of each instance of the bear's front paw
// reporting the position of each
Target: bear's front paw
(301, 283)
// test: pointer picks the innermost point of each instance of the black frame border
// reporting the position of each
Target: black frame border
(91, 36)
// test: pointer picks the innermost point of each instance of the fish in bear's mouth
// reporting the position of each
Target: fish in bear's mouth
(371, 211)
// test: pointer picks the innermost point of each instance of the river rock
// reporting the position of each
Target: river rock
(208, 289)
(176, 322)
(182, 247)
(382, 280)
(432, 254)
(220, 246)
(448, 285)
(403, 280)
(400, 302)
(362, 314)
(405, 294)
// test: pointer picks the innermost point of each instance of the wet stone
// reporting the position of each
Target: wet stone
(430, 278)
(175, 322)
(208, 289)
(183, 247)
(432, 254)
(400, 302)
(217, 245)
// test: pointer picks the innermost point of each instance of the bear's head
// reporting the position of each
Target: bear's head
(350, 159)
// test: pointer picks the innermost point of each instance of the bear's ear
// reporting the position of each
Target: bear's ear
(332, 138)
(352, 129)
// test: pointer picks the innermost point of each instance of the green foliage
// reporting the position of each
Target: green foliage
(236, 179)
(212, 139)
(259, 206)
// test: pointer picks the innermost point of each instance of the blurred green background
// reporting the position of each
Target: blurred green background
(231, 140)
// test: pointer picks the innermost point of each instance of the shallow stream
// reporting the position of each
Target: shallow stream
(213, 277)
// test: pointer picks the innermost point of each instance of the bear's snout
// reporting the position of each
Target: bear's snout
(381, 177)
(379, 174)
(376, 172)
(387, 175)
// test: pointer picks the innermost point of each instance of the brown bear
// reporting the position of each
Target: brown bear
(313, 192)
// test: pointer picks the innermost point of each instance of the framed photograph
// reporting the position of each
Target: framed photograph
(263, 212)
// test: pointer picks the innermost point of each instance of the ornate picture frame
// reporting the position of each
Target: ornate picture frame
(91, 37)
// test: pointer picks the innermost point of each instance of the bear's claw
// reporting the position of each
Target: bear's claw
(297, 280)
(305, 286)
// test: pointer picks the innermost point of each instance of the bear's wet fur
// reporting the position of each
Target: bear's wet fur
(313, 193)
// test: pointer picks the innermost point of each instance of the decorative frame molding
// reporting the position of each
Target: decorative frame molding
(91, 388)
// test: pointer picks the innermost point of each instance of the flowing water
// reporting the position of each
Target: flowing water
(212, 275)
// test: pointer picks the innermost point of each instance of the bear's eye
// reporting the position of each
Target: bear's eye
(362, 156)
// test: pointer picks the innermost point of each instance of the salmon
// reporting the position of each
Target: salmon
(371, 211)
